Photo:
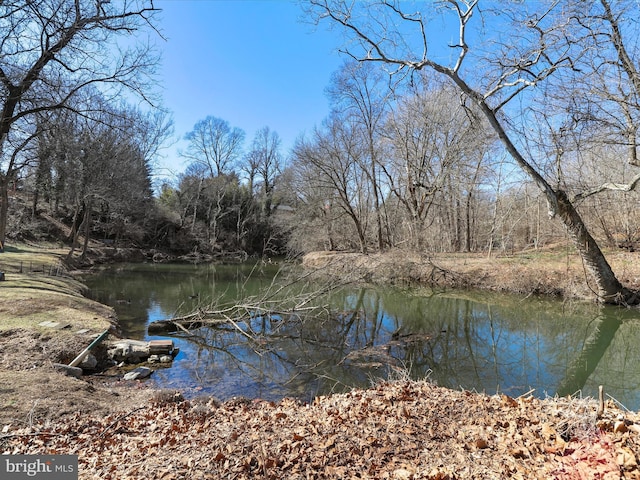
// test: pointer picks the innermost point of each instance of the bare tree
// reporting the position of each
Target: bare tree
(436, 148)
(107, 157)
(603, 115)
(151, 130)
(360, 92)
(331, 162)
(263, 163)
(214, 144)
(499, 78)
(102, 170)
(52, 50)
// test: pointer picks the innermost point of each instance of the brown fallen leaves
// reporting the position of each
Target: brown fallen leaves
(397, 430)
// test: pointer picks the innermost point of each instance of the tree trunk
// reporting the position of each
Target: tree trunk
(610, 290)
(458, 224)
(376, 199)
(195, 207)
(467, 240)
(4, 209)
(587, 360)
(34, 205)
(326, 213)
(78, 214)
(87, 229)
(362, 239)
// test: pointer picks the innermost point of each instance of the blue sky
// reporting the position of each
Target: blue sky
(252, 63)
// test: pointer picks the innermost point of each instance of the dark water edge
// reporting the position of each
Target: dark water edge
(459, 339)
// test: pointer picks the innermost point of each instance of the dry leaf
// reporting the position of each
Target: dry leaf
(619, 427)
(481, 443)
(402, 474)
(626, 458)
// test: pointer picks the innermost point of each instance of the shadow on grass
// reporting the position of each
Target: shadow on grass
(10, 249)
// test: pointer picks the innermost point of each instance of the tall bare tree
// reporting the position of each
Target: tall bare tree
(436, 145)
(501, 78)
(361, 92)
(331, 162)
(50, 51)
(98, 165)
(215, 145)
(264, 163)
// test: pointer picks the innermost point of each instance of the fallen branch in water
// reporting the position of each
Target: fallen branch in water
(232, 315)
(279, 302)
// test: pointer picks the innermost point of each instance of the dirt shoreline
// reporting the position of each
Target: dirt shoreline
(555, 272)
(401, 429)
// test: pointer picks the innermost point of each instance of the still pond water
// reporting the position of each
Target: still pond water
(477, 341)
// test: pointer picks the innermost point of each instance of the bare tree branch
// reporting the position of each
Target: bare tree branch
(611, 186)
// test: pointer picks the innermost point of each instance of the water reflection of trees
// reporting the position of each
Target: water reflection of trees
(476, 341)
(173, 289)
(522, 344)
(586, 361)
(608, 357)
(458, 342)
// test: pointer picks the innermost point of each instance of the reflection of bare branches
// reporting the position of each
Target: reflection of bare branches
(181, 327)
(217, 345)
(237, 327)
(287, 339)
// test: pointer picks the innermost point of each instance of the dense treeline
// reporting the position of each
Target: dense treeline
(225, 201)
(422, 171)
(556, 82)
(465, 154)
(435, 177)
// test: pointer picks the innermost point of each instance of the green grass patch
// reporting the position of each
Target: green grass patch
(30, 295)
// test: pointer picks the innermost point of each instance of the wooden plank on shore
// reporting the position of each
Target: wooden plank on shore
(160, 346)
(49, 324)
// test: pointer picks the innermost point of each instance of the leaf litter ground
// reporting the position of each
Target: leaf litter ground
(400, 429)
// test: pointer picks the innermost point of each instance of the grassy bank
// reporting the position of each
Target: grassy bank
(38, 288)
(45, 319)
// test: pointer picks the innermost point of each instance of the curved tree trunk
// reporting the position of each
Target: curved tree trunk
(513, 78)
(610, 290)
